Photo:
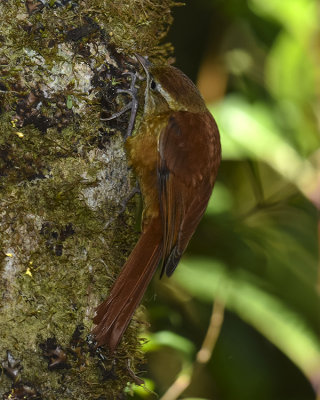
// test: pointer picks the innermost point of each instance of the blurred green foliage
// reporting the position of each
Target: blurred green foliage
(256, 249)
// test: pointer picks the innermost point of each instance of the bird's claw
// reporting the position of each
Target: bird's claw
(117, 114)
(132, 105)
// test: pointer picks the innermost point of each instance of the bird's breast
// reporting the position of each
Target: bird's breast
(142, 152)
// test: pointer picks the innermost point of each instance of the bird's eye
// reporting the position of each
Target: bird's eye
(153, 85)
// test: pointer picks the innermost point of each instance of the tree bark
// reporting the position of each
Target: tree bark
(63, 180)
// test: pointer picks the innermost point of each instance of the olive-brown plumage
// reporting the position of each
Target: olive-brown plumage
(175, 154)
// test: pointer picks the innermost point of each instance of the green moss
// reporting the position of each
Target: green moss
(63, 173)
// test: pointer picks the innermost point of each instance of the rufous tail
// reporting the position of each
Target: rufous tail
(114, 314)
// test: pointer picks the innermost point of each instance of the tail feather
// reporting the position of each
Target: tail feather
(114, 314)
(172, 261)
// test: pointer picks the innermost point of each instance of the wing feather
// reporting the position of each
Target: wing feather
(188, 161)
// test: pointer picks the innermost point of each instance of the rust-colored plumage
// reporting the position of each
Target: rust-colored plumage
(175, 154)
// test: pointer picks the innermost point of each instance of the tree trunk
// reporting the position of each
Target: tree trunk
(63, 180)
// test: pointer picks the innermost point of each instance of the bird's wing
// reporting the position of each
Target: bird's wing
(188, 160)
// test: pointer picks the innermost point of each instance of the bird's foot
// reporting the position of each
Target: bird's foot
(132, 105)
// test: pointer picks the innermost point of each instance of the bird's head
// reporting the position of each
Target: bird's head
(169, 89)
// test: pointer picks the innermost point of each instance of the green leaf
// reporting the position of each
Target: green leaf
(300, 17)
(248, 131)
(285, 328)
(69, 102)
(166, 338)
(290, 70)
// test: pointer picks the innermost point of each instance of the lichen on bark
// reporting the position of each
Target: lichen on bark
(63, 179)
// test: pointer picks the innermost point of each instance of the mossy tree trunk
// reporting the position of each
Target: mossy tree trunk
(63, 179)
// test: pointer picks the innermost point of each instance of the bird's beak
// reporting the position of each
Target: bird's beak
(146, 66)
(144, 62)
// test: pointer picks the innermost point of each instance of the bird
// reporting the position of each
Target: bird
(175, 153)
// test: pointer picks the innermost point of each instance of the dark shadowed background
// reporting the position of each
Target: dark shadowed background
(256, 63)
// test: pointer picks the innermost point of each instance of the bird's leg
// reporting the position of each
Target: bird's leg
(132, 105)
